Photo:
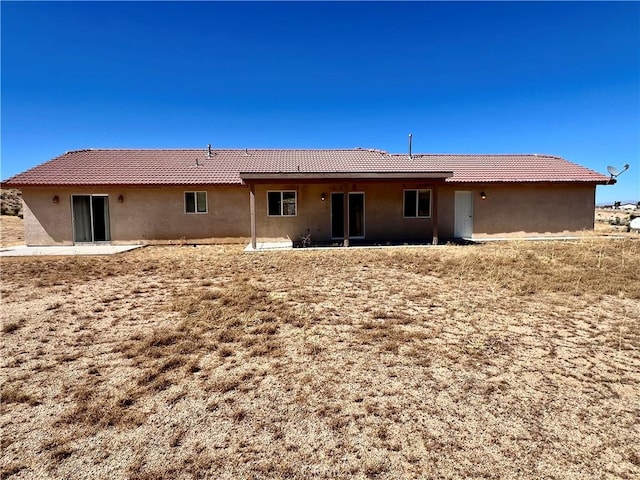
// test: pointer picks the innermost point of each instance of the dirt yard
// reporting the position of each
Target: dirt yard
(510, 360)
(11, 231)
(609, 221)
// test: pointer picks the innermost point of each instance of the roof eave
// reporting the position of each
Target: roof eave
(524, 180)
(289, 176)
(123, 185)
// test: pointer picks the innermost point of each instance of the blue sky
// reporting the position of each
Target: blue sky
(479, 77)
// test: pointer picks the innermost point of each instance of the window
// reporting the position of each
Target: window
(417, 203)
(281, 204)
(195, 202)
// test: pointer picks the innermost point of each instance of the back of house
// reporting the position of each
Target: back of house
(336, 196)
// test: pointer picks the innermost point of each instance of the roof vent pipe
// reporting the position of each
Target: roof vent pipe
(410, 138)
(209, 151)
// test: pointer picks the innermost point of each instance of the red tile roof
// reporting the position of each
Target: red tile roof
(195, 167)
(509, 168)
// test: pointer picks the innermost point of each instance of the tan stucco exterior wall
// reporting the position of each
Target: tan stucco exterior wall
(149, 215)
(383, 212)
(507, 211)
(523, 210)
(44, 222)
(146, 215)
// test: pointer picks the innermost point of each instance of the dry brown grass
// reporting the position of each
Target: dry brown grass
(11, 231)
(510, 360)
(614, 222)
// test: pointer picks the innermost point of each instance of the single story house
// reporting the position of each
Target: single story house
(630, 207)
(341, 196)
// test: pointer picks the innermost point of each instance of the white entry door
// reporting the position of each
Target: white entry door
(463, 221)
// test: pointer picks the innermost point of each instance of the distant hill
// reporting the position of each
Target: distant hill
(11, 202)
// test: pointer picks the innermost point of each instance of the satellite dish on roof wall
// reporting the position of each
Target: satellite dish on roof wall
(614, 172)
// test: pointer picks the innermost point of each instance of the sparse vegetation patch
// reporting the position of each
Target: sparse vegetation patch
(511, 360)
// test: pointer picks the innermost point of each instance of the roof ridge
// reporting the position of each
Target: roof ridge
(119, 149)
(355, 149)
(478, 155)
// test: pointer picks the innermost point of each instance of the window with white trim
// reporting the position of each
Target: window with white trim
(417, 203)
(282, 204)
(195, 202)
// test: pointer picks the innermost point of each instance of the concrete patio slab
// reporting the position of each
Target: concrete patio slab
(63, 250)
(267, 246)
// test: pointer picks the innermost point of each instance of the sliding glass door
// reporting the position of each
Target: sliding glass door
(90, 218)
(355, 213)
